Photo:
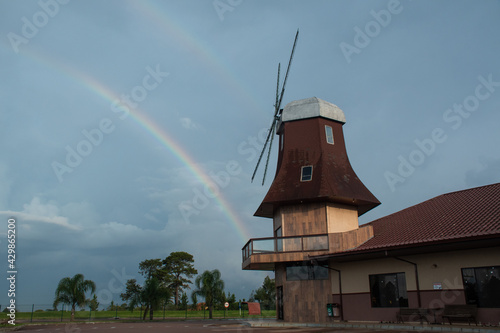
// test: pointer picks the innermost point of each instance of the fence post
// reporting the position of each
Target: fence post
(32, 309)
(62, 311)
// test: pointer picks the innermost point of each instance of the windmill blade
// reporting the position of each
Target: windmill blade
(273, 126)
(264, 148)
(277, 106)
(268, 155)
(287, 71)
(270, 133)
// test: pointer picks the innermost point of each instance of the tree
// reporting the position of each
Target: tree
(178, 267)
(184, 301)
(231, 299)
(94, 304)
(132, 294)
(210, 286)
(266, 295)
(154, 289)
(151, 268)
(219, 301)
(72, 291)
(194, 300)
(154, 294)
(111, 306)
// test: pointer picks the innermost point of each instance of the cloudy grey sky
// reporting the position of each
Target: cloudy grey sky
(130, 128)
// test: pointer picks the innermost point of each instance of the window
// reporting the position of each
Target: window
(388, 290)
(279, 242)
(482, 286)
(307, 172)
(304, 271)
(329, 134)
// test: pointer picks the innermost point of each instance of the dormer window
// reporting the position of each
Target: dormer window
(306, 174)
(329, 134)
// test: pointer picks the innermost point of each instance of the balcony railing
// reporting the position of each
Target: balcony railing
(285, 244)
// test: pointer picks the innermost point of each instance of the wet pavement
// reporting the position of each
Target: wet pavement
(156, 327)
(261, 326)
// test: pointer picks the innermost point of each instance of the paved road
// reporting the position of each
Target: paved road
(177, 327)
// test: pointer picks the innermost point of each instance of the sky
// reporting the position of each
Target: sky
(130, 129)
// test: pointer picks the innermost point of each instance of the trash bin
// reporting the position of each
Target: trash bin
(336, 309)
(329, 309)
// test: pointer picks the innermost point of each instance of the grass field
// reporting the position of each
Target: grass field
(137, 315)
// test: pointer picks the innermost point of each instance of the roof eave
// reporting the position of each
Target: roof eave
(267, 208)
(467, 243)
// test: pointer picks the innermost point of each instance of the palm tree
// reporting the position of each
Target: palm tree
(72, 291)
(154, 294)
(210, 286)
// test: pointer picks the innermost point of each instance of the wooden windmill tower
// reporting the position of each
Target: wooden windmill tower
(315, 200)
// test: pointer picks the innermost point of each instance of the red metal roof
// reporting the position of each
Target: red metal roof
(458, 215)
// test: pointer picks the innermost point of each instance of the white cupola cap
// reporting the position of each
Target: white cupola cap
(311, 108)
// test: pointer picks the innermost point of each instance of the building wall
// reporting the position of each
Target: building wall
(299, 220)
(442, 269)
(304, 301)
(315, 218)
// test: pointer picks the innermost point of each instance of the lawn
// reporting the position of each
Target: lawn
(136, 314)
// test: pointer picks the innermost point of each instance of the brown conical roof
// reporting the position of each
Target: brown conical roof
(303, 143)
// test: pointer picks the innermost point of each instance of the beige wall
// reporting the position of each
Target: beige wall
(444, 268)
(355, 274)
(341, 218)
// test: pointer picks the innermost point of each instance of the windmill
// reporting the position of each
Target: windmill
(277, 114)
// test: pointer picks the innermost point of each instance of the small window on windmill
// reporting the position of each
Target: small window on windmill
(329, 134)
(306, 174)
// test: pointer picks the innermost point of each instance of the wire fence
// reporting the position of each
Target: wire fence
(46, 313)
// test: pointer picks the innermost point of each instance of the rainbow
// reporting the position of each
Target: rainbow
(98, 88)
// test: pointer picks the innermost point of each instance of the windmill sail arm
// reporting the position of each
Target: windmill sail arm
(288, 69)
(277, 113)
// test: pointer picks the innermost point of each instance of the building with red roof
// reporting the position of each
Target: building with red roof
(423, 260)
